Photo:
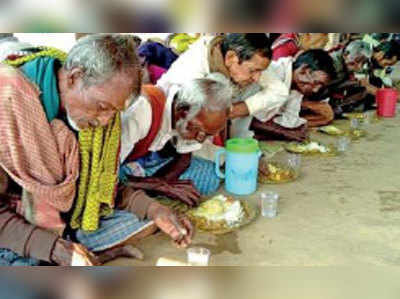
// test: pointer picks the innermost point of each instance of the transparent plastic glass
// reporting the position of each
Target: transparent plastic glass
(198, 256)
(269, 204)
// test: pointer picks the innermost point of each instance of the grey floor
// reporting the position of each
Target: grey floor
(343, 210)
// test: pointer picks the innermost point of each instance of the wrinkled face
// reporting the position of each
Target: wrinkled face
(355, 64)
(309, 82)
(384, 62)
(97, 105)
(205, 124)
(246, 72)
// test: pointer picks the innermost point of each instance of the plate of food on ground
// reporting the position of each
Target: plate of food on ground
(311, 148)
(356, 134)
(354, 115)
(271, 148)
(331, 130)
(220, 214)
(362, 117)
(271, 172)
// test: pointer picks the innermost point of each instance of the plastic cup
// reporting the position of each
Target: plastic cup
(269, 204)
(354, 124)
(343, 144)
(386, 100)
(198, 256)
(367, 118)
(294, 162)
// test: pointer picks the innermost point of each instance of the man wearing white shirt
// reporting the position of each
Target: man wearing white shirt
(159, 134)
(244, 59)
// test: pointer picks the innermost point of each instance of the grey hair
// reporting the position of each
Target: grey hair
(212, 93)
(100, 56)
(358, 48)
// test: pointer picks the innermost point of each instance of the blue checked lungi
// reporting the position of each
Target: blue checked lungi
(201, 171)
(114, 230)
(9, 258)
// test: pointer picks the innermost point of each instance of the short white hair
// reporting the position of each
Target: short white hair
(100, 56)
(212, 93)
(358, 48)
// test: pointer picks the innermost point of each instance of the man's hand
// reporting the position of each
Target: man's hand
(270, 130)
(184, 191)
(370, 88)
(179, 228)
(66, 253)
(239, 110)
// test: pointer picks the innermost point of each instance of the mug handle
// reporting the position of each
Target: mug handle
(217, 160)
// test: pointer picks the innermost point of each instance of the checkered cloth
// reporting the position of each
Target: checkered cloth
(114, 230)
(9, 258)
(201, 171)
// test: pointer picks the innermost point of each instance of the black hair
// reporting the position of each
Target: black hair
(380, 36)
(389, 48)
(246, 45)
(317, 60)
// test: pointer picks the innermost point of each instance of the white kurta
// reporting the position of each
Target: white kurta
(136, 125)
(272, 100)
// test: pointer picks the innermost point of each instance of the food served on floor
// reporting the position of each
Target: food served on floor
(308, 148)
(220, 211)
(331, 130)
(274, 172)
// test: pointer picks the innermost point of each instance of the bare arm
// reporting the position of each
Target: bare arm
(270, 130)
(23, 238)
(182, 190)
(317, 113)
(173, 170)
(238, 110)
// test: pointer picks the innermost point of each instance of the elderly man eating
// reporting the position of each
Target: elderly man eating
(159, 135)
(59, 157)
(259, 94)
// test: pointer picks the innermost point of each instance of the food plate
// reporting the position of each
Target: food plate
(356, 134)
(354, 115)
(271, 149)
(362, 117)
(207, 217)
(250, 213)
(331, 130)
(311, 148)
(276, 173)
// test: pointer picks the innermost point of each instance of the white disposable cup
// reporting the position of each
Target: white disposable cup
(343, 144)
(269, 204)
(198, 256)
(355, 123)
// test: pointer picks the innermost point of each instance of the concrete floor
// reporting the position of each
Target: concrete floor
(343, 210)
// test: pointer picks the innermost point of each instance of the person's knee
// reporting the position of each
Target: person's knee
(330, 114)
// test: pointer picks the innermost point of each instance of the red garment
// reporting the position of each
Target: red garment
(285, 46)
(218, 140)
(157, 101)
(155, 72)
